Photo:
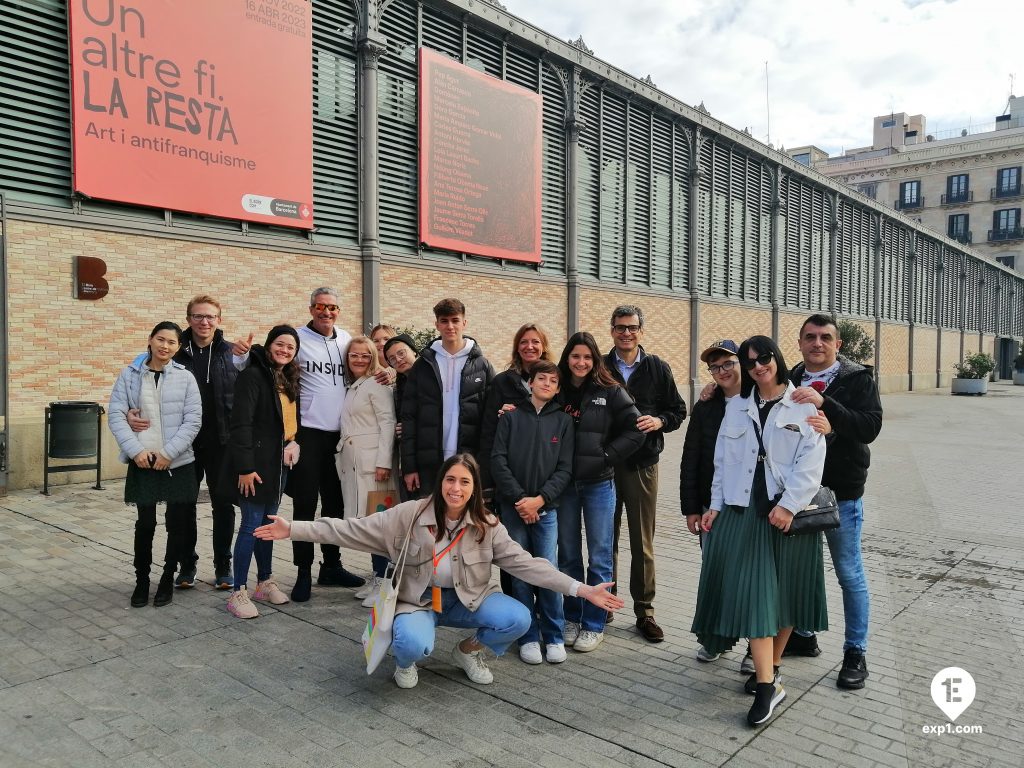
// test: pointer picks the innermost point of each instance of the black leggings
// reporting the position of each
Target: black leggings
(180, 520)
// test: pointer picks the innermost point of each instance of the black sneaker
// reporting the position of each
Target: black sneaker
(799, 645)
(336, 576)
(751, 685)
(303, 586)
(186, 577)
(164, 591)
(766, 698)
(141, 594)
(854, 671)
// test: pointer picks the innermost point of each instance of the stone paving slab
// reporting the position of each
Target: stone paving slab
(87, 681)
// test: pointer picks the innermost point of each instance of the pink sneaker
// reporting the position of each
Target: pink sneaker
(241, 606)
(269, 592)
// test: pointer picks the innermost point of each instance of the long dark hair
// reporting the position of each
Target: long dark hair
(166, 325)
(760, 345)
(516, 363)
(599, 375)
(286, 377)
(475, 510)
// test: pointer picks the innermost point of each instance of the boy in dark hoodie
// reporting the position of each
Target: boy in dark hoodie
(532, 466)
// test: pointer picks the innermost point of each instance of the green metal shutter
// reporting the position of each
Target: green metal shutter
(702, 267)
(553, 178)
(681, 213)
(588, 186)
(662, 204)
(638, 194)
(613, 187)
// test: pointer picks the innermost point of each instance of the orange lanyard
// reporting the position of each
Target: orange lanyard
(435, 590)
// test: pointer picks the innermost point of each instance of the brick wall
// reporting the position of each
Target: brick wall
(925, 357)
(893, 364)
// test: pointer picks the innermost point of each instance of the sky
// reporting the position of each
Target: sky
(833, 65)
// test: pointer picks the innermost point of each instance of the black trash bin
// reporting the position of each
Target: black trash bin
(72, 431)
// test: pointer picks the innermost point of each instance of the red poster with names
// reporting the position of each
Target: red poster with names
(480, 162)
(196, 106)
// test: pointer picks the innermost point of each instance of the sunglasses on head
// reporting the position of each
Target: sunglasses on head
(762, 359)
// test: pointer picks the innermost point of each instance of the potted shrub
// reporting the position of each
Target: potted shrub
(1018, 367)
(972, 374)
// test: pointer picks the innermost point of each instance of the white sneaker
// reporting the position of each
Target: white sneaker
(472, 664)
(703, 655)
(363, 591)
(406, 677)
(555, 653)
(530, 653)
(374, 586)
(588, 641)
(570, 633)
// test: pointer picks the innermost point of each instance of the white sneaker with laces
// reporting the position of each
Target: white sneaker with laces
(570, 633)
(363, 591)
(374, 585)
(406, 677)
(555, 653)
(703, 655)
(588, 641)
(530, 653)
(472, 664)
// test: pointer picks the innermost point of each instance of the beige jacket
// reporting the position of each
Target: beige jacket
(384, 533)
(367, 441)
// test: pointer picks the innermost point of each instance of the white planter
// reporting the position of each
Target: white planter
(970, 386)
(1018, 378)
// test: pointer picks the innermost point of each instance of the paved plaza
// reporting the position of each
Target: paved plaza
(87, 681)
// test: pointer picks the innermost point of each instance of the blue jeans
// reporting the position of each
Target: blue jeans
(844, 545)
(499, 620)
(540, 539)
(253, 515)
(590, 506)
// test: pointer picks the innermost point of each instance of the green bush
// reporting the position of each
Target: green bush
(422, 336)
(857, 345)
(975, 366)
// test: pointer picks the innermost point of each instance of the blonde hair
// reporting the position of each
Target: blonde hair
(375, 365)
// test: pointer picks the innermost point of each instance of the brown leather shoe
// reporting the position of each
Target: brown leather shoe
(649, 629)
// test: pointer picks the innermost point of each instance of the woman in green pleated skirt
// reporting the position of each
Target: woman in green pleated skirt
(755, 581)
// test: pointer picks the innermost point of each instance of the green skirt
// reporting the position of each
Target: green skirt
(755, 581)
(147, 487)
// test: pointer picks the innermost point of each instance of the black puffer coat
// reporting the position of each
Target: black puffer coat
(507, 387)
(697, 465)
(257, 432)
(222, 375)
(606, 431)
(422, 413)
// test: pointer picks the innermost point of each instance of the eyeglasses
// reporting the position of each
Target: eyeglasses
(762, 359)
(327, 307)
(201, 318)
(357, 356)
(728, 365)
(626, 328)
(397, 355)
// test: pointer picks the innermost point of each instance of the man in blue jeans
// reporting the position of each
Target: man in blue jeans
(532, 466)
(848, 395)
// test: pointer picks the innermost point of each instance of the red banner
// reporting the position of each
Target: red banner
(195, 106)
(480, 162)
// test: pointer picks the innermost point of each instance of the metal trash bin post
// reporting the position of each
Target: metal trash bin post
(72, 430)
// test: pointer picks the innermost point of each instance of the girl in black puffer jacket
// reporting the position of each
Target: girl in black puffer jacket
(606, 434)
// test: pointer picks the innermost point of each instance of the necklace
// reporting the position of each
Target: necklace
(762, 402)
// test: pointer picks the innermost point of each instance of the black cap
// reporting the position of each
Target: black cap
(728, 346)
(281, 330)
(405, 338)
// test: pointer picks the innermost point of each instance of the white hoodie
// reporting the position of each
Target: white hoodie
(450, 368)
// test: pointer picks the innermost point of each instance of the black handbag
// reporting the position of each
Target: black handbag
(821, 513)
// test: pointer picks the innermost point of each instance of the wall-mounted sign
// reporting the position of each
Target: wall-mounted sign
(90, 283)
(195, 106)
(479, 163)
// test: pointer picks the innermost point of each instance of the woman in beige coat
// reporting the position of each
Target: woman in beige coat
(454, 542)
(367, 442)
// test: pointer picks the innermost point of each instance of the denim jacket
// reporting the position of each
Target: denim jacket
(795, 453)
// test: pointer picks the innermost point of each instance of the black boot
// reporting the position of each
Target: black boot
(303, 584)
(336, 576)
(141, 594)
(164, 590)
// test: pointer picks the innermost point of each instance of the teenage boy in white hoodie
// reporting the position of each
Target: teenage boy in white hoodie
(443, 400)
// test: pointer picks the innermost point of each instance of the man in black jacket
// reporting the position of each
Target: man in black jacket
(848, 395)
(648, 379)
(443, 401)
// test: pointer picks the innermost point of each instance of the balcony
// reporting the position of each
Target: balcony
(958, 198)
(1003, 193)
(909, 205)
(1001, 235)
(962, 237)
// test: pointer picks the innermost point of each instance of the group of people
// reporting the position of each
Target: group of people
(511, 469)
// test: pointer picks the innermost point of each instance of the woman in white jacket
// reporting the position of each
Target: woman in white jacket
(366, 446)
(160, 457)
(755, 582)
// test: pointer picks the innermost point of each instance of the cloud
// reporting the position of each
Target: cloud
(831, 66)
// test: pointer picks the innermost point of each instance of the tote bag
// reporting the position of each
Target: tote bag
(378, 633)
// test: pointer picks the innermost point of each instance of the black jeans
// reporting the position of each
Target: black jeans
(315, 476)
(210, 462)
(180, 521)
